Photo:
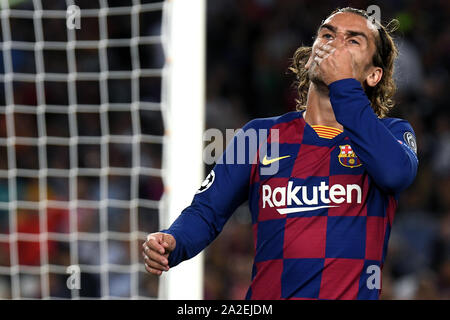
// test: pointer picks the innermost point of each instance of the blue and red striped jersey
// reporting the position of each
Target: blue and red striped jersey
(322, 219)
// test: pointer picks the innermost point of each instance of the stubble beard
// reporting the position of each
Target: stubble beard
(316, 78)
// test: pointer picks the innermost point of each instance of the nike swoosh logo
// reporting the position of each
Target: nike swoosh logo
(266, 161)
(295, 210)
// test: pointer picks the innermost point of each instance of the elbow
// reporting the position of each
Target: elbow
(395, 181)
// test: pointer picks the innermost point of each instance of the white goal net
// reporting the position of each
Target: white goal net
(83, 128)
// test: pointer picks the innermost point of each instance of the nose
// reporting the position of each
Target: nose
(339, 40)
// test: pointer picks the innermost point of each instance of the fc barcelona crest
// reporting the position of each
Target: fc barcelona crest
(348, 158)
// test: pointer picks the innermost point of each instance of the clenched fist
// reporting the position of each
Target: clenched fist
(156, 252)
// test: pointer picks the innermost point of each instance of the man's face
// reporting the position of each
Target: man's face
(350, 30)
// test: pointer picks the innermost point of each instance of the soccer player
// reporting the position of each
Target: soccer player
(322, 221)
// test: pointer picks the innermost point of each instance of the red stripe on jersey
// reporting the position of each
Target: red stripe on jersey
(326, 132)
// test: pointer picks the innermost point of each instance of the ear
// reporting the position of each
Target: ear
(374, 76)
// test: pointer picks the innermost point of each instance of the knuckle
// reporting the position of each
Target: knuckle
(151, 254)
(152, 244)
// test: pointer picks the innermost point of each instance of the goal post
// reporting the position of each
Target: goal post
(184, 90)
(101, 136)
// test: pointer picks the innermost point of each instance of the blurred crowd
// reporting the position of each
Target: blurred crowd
(249, 47)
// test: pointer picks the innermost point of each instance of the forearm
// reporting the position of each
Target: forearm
(384, 157)
(192, 233)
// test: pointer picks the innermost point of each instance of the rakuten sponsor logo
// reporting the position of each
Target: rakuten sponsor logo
(322, 196)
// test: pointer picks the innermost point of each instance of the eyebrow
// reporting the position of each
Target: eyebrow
(351, 33)
(328, 26)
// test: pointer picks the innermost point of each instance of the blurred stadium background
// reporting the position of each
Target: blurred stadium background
(249, 45)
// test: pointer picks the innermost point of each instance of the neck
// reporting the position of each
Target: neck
(319, 110)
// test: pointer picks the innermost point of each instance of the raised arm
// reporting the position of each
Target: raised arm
(384, 146)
